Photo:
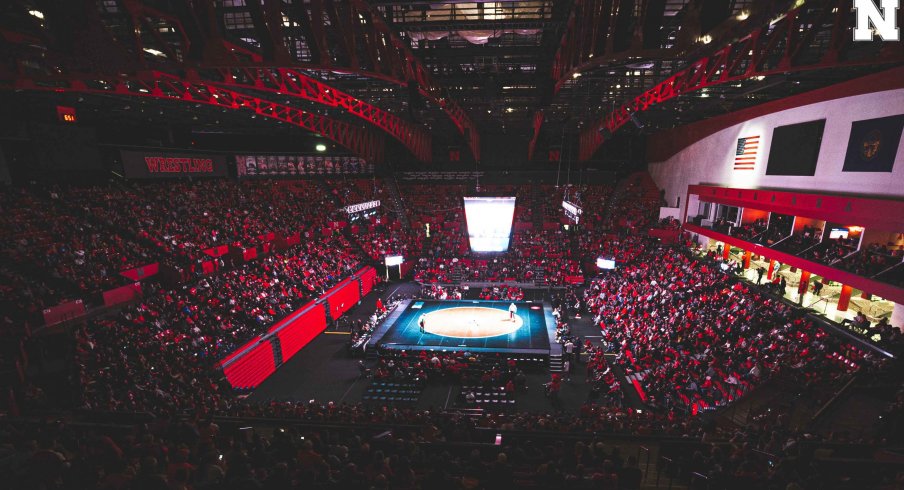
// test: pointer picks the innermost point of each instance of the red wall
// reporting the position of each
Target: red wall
(122, 294)
(368, 279)
(63, 312)
(881, 214)
(252, 363)
(750, 215)
(297, 333)
(343, 297)
(251, 368)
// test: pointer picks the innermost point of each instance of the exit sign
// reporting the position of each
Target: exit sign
(66, 114)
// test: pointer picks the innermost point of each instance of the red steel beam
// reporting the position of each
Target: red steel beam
(390, 58)
(769, 50)
(414, 69)
(154, 84)
(285, 81)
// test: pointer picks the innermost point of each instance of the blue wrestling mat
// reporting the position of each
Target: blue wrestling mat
(468, 324)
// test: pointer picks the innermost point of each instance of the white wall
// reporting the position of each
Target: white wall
(710, 160)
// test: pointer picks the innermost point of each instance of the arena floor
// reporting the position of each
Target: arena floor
(471, 324)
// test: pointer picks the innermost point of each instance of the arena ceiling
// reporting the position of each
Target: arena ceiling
(430, 76)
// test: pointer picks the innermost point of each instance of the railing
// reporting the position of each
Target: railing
(699, 480)
(822, 299)
(669, 465)
(646, 451)
(832, 400)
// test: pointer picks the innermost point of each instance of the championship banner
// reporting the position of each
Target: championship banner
(158, 165)
(299, 165)
(873, 144)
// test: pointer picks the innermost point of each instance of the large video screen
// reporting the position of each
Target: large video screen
(489, 222)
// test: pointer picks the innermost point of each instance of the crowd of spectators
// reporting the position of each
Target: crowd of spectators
(183, 218)
(832, 250)
(748, 231)
(690, 338)
(694, 341)
(41, 228)
(201, 453)
(871, 260)
(160, 352)
(435, 291)
(669, 223)
(463, 367)
(801, 240)
(780, 226)
(436, 213)
(502, 292)
(384, 236)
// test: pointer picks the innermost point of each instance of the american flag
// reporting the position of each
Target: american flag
(745, 153)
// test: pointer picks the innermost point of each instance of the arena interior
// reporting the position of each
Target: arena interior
(385, 244)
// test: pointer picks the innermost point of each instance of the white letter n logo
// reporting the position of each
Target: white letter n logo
(884, 21)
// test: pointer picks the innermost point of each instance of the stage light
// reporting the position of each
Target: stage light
(320, 147)
(37, 14)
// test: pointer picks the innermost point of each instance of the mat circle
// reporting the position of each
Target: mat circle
(471, 322)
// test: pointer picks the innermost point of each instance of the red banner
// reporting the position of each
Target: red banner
(154, 164)
(122, 295)
(142, 272)
(249, 254)
(296, 332)
(368, 277)
(253, 367)
(63, 312)
(342, 298)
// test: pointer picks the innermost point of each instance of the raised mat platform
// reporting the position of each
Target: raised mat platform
(474, 325)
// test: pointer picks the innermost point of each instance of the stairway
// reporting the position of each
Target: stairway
(556, 363)
(537, 201)
(456, 275)
(371, 356)
(392, 186)
(539, 275)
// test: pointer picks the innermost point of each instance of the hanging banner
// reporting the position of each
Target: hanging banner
(159, 165)
(295, 165)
